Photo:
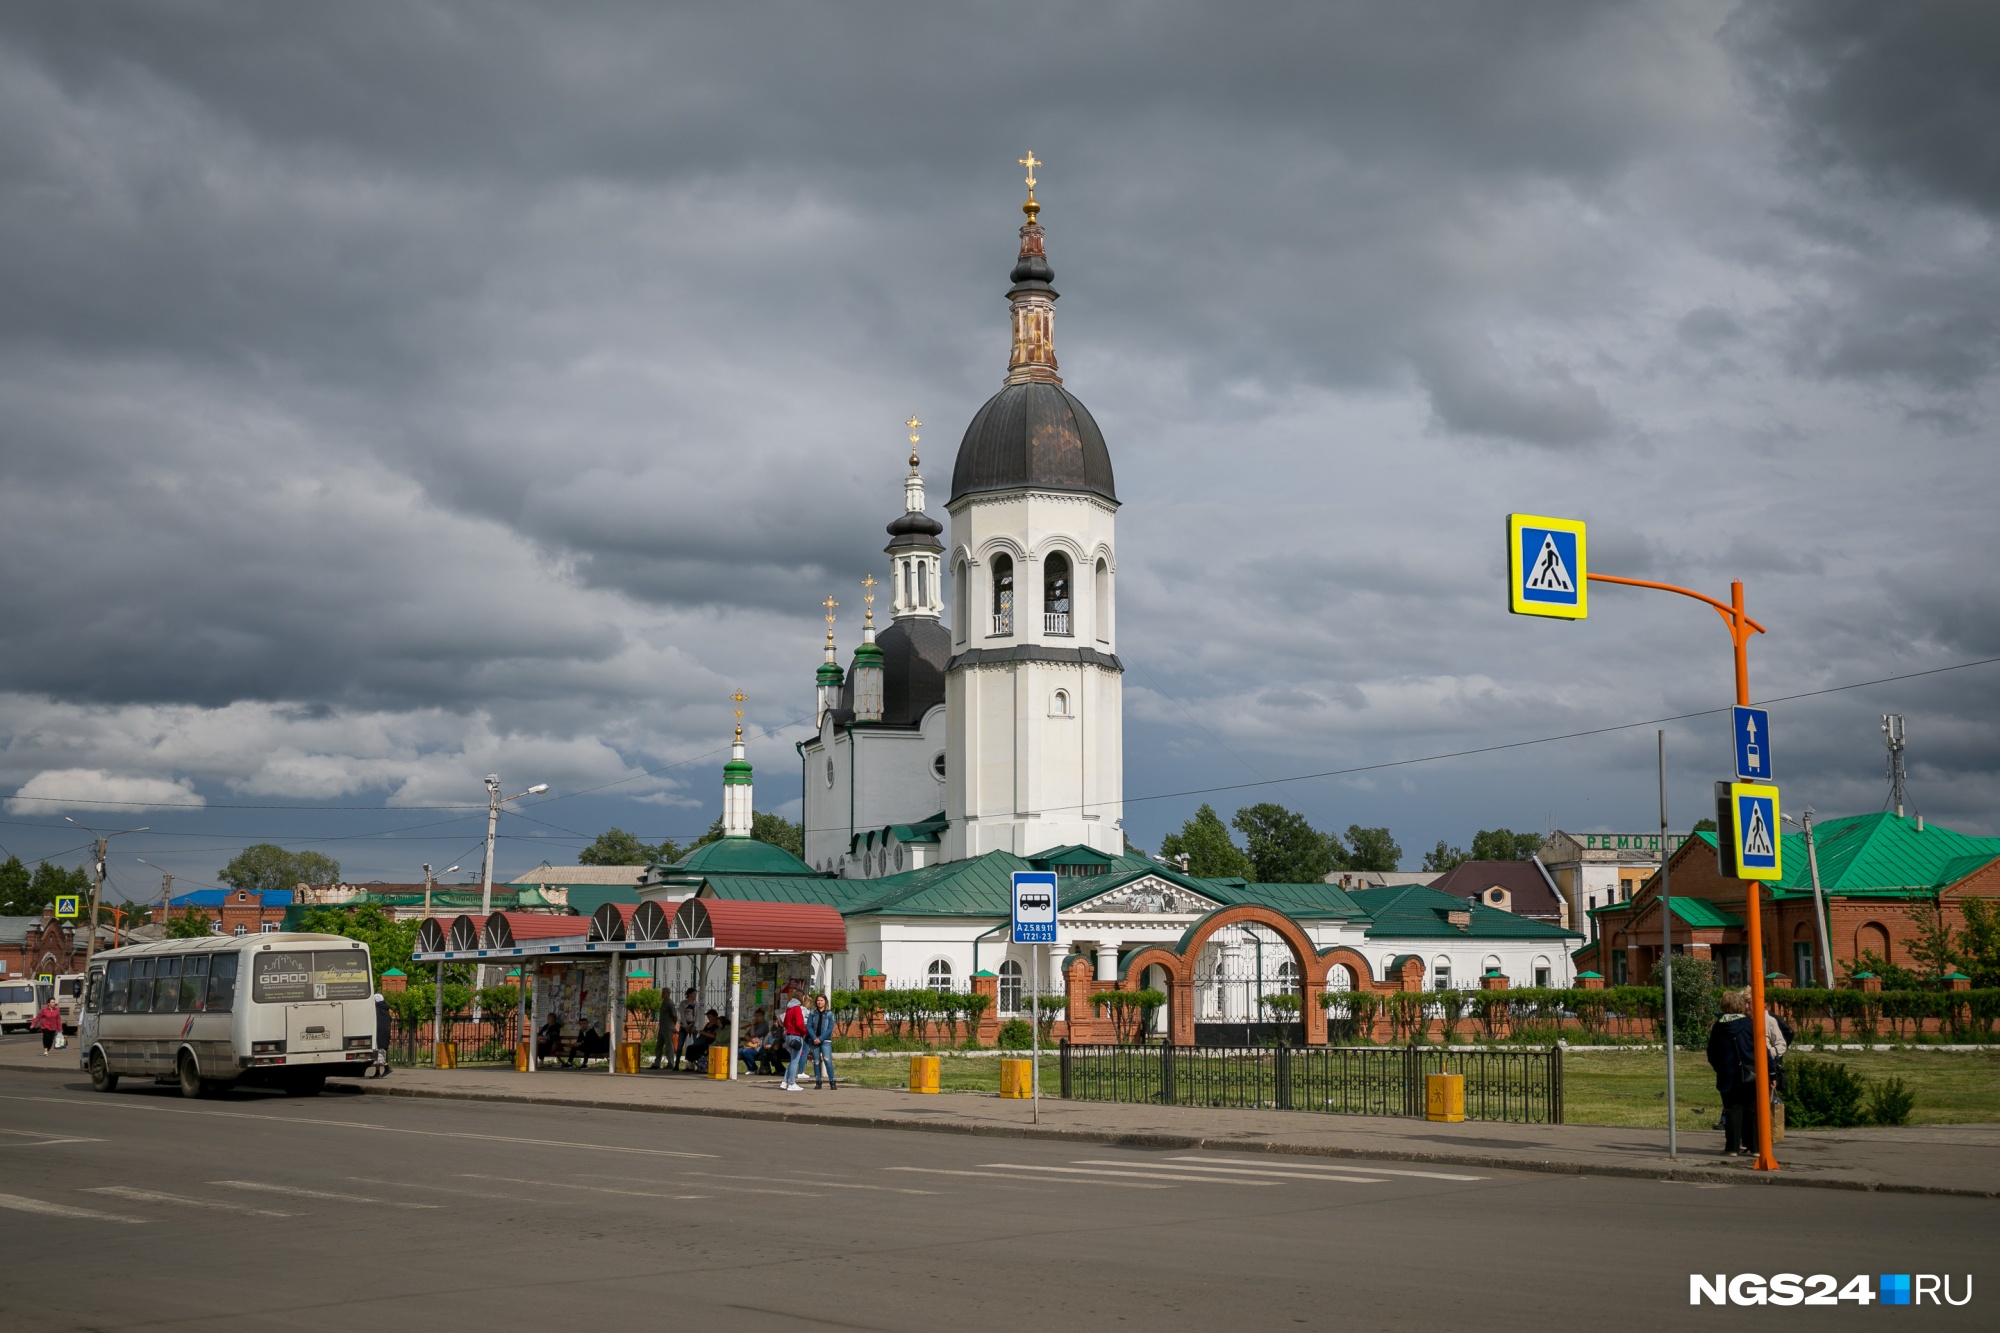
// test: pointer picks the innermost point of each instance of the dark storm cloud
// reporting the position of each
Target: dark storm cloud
(391, 389)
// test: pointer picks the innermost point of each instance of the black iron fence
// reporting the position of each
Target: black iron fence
(485, 1041)
(1521, 1086)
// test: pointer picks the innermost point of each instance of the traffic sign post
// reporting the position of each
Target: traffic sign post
(1753, 743)
(1548, 575)
(69, 906)
(1756, 850)
(1547, 567)
(1033, 917)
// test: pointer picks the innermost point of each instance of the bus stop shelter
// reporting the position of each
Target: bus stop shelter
(618, 933)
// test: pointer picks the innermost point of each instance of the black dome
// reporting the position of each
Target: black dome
(914, 652)
(915, 528)
(1036, 436)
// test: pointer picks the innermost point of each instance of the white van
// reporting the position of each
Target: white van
(18, 1003)
(69, 998)
(280, 1010)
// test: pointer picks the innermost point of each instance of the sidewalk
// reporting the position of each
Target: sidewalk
(1939, 1159)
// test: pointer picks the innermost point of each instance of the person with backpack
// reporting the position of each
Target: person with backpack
(795, 1043)
(819, 1041)
(1733, 1055)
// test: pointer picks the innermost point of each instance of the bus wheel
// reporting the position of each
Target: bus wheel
(101, 1077)
(190, 1076)
(305, 1085)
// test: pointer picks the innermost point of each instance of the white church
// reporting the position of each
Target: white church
(960, 745)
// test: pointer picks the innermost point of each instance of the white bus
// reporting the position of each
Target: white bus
(277, 1011)
(20, 1001)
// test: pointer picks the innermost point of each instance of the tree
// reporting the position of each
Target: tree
(14, 882)
(1284, 848)
(774, 829)
(192, 924)
(1372, 849)
(390, 942)
(27, 895)
(1705, 826)
(1933, 948)
(616, 847)
(1979, 941)
(1500, 844)
(1443, 860)
(1210, 852)
(266, 866)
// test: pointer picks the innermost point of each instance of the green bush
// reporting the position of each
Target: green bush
(644, 1003)
(1890, 1102)
(1697, 999)
(497, 1001)
(1016, 1035)
(1824, 1094)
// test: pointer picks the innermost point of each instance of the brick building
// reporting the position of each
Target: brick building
(233, 911)
(34, 945)
(1876, 872)
(1520, 887)
(1593, 870)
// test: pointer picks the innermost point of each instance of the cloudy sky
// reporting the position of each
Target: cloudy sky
(390, 394)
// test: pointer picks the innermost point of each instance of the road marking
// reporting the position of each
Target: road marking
(1002, 1175)
(439, 1189)
(43, 1139)
(1256, 1171)
(1133, 1175)
(25, 1205)
(816, 1184)
(1371, 1170)
(314, 1194)
(157, 1196)
(599, 1189)
(133, 1105)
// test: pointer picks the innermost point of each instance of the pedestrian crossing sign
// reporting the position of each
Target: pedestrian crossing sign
(1760, 852)
(69, 906)
(1546, 567)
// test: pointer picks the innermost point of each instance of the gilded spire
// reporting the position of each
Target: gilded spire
(1034, 354)
(830, 605)
(737, 698)
(913, 424)
(1031, 207)
(868, 596)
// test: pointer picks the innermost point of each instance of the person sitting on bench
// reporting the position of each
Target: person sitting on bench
(549, 1042)
(590, 1045)
(697, 1050)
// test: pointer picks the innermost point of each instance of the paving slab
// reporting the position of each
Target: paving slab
(1925, 1159)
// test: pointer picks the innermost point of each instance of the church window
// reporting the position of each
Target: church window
(909, 584)
(829, 770)
(1441, 974)
(923, 584)
(1003, 594)
(899, 856)
(939, 976)
(961, 604)
(1059, 704)
(1543, 973)
(1010, 987)
(1102, 601)
(937, 766)
(1055, 594)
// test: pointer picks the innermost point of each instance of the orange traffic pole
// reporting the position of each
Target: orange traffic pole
(1741, 627)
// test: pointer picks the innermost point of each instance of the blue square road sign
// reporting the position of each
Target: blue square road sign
(1753, 743)
(1034, 907)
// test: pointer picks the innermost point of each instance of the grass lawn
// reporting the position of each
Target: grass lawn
(955, 1073)
(1605, 1087)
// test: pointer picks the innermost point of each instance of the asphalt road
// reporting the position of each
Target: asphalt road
(142, 1210)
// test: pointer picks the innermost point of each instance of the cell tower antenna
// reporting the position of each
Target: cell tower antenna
(1892, 733)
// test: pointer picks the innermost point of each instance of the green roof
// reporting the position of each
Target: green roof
(982, 886)
(1883, 851)
(837, 893)
(1411, 910)
(1701, 914)
(736, 856)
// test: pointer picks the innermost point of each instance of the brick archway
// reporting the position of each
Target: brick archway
(1311, 968)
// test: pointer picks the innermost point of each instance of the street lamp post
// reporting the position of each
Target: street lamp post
(166, 889)
(1825, 968)
(97, 886)
(429, 880)
(494, 800)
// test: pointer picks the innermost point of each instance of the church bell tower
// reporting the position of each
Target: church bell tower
(1035, 740)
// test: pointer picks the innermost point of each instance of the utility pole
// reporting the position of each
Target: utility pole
(1892, 732)
(166, 890)
(1825, 968)
(494, 800)
(97, 886)
(1667, 947)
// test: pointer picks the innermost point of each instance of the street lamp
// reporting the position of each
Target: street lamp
(430, 879)
(97, 887)
(494, 800)
(1819, 900)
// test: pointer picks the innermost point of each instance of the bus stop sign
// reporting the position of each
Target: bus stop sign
(1034, 907)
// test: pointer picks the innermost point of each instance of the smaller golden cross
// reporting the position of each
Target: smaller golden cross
(868, 595)
(1030, 163)
(913, 424)
(829, 604)
(737, 698)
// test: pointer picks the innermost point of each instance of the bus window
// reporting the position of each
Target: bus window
(222, 983)
(194, 984)
(93, 996)
(141, 988)
(116, 973)
(341, 975)
(167, 986)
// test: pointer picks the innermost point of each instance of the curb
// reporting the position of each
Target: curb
(1190, 1142)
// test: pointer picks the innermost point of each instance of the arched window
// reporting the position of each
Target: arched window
(961, 609)
(1010, 987)
(939, 976)
(1340, 977)
(1102, 601)
(1055, 594)
(1544, 974)
(1059, 704)
(1003, 594)
(923, 597)
(241, 929)
(1441, 973)
(909, 583)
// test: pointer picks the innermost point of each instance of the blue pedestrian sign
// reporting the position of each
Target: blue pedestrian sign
(1546, 567)
(1759, 851)
(1034, 907)
(1753, 743)
(69, 906)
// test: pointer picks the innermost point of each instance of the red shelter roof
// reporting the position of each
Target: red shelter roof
(754, 927)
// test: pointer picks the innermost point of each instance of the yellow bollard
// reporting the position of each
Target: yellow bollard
(718, 1061)
(444, 1055)
(521, 1058)
(628, 1057)
(923, 1073)
(1017, 1078)
(1444, 1097)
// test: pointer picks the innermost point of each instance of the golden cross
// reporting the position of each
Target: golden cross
(1030, 163)
(868, 595)
(738, 697)
(913, 423)
(829, 604)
